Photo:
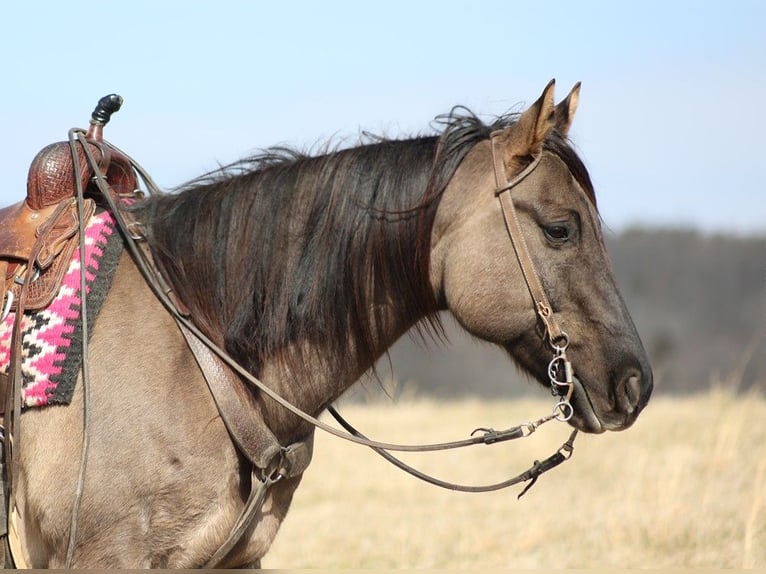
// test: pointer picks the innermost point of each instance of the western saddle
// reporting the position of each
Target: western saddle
(39, 234)
(37, 238)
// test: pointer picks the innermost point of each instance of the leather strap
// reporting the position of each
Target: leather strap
(541, 304)
(55, 254)
(269, 459)
(256, 442)
(532, 473)
(6, 298)
(236, 405)
(15, 545)
(239, 412)
(255, 500)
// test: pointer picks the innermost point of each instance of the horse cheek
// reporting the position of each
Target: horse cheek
(486, 298)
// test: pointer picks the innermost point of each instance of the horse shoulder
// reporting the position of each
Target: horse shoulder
(163, 481)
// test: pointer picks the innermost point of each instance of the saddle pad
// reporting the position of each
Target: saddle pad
(52, 337)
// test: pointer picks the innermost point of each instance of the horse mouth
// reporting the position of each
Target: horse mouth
(584, 415)
(594, 416)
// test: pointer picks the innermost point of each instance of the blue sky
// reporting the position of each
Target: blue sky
(671, 122)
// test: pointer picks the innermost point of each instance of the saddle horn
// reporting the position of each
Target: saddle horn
(101, 115)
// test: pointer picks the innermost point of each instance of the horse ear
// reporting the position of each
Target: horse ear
(526, 136)
(565, 111)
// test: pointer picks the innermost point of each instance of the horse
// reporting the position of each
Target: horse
(306, 269)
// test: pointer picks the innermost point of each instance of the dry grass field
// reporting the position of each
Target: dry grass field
(684, 487)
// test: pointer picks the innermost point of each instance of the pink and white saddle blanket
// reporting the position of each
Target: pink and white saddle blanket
(52, 337)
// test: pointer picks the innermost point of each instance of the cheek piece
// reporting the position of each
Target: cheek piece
(560, 369)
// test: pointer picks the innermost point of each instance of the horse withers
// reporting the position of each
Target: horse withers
(306, 270)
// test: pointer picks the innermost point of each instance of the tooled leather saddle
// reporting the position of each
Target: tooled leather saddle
(39, 234)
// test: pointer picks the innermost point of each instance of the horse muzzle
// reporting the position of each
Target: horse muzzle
(615, 410)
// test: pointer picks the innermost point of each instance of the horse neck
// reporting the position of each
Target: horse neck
(315, 373)
(306, 285)
(324, 375)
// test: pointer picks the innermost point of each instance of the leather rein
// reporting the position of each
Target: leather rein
(228, 381)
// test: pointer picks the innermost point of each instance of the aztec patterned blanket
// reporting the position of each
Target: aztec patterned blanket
(52, 338)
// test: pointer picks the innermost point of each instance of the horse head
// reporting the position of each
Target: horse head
(476, 272)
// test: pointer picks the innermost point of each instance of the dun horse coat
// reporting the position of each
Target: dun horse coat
(307, 269)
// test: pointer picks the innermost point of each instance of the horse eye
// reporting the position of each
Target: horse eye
(557, 233)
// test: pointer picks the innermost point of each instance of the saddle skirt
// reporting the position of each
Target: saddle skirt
(56, 226)
(52, 336)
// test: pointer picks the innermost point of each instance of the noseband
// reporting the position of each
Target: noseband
(559, 369)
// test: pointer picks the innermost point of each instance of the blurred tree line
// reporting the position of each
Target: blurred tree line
(698, 301)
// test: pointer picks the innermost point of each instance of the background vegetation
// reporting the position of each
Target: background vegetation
(684, 487)
(698, 301)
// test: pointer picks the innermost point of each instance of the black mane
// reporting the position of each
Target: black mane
(284, 248)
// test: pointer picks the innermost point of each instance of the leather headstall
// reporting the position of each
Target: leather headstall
(543, 308)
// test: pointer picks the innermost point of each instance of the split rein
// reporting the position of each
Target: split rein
(559, 369)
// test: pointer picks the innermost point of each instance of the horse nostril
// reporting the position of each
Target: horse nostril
(633, 389)
(630, 397)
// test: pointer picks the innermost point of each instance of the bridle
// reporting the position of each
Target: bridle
(559, 369)
(271, 461)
